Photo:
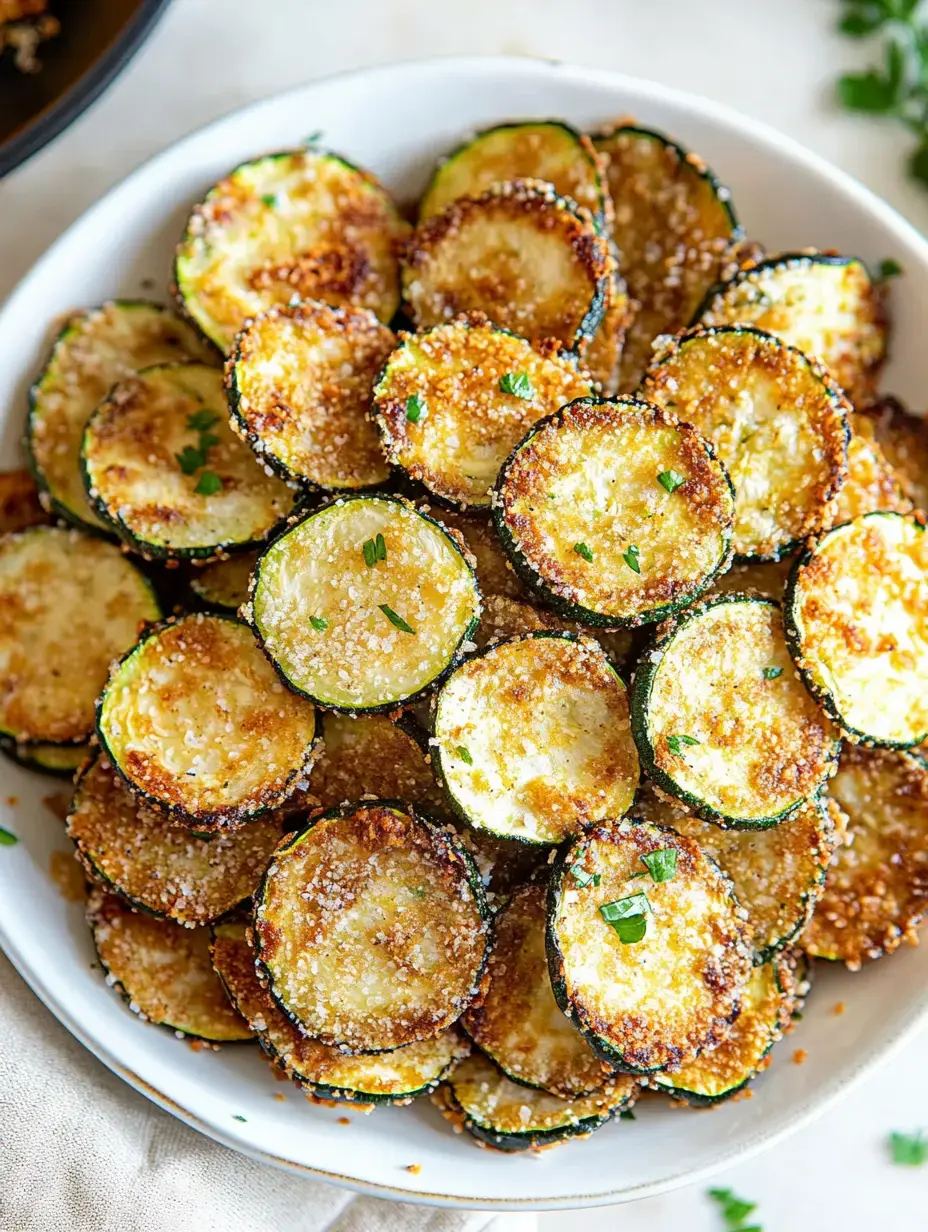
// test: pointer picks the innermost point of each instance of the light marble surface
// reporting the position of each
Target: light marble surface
(775, 61)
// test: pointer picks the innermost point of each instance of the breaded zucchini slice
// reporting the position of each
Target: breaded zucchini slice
(532, 738)
(222, 585)
(71, 603)
(163, 971)
(59, 759)
(767, 578)
(722, 720)
(164, 470)
(477, 534)
(364, 603)
(519, 1025)
(547, 150)
(871, 486)
(778, 873)
(529, 259)
(777, 420)
(506, 1116)
(876, 891)
(452, 402)
(674, 226)
(856, 613)
(825, 305)
(504, 617)
(302, 223)
(95, 349)
(603, 358)
(766, 1009)
(903, 438)
(395, 1077)
(664, 980)
(371, 928)
(299, 383)
(615, 512)
(159, 867)
(197, 723)
(20, 506)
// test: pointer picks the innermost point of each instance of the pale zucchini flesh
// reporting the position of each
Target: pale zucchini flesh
(58, 759)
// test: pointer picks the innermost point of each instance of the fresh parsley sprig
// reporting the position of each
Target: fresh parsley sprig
(193, 458)
(734, 1210)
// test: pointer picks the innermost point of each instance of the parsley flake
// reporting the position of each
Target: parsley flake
(202, 420)
(671, 480)
(631, 559)
(582, 550)
(888, 268)
(319, 623)
(518, 384)
(909, 1150)
(7, 839)
(236, 1116)
(374, 550)
(415, 408)
(675, 743)
(662, 865)
(627, 1114)
(190, 459)
(209, 484)
(772, 673)
(464, 755)
(269, 199)
(395, 619)
(627, 917)
(735, 1210)
(582, 877)
(313, 138)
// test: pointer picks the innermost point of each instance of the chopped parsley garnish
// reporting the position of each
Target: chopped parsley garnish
(909, 1150)
(671, 480)
(582, 877)
(209, 484)
(582, 550)
(190, 459)
(269, 199)
(627, 917)
(465, 756)
(236, 1116)
(516, 383)
(415, 408)
(395, 619)
(675, 743)
(202, 421)
(662, 865)
(888, 268)
(631, 559)
(313, 138)
(319, 623)
(7, 839)
(772, 673)
(735, 1210)
(627, 1114)
(374, 550)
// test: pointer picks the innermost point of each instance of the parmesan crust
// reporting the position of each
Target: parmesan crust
(20, 506)
(903, 440)
(503, 617)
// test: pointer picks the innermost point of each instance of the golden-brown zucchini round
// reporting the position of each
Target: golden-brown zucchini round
(503, 617)
(903, 438)
(871, 486)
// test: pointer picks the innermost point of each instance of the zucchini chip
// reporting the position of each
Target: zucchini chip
(674, 226)
(531, 260)
(94, 351)
(766, 1009)
(778, 873)
(71, 604)
(857, 626)
(452, 402)
(519, 1025)
(777, 421)
(302, 223)
(299, 382)
(59, 759)
(825, 305)
(20, 506)
(903, 438)
(547, 150)
(197, 723)
(664, 980)
(364, 603)
(158, 867)
(477, 534)
(505, 1116)
(871, 486)
(603, 358)
(371, 928)
(163, 971)
(325, 1072)
(223, 585)
(615, 512)
(532, 738)
(721, 719)
(503, 617)
(876, 891)
(165, 470)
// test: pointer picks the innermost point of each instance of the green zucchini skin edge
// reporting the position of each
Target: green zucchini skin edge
(566, 607)
(510, 1143)
(443, 833)
(648, 664)
(172, 810)
(812, 891)
(19, 753)
(457, 654)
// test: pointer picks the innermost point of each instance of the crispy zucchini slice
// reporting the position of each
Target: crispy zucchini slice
(62, 592)
(476, 532)
(222, 585)
(393, 912)
(392, 1078)
(59, 759)
(532, 738)
(766, 1008)
(302, 222)
(876, 891)
(723, 722)
(903, 438)
(163, 971)
(94, 350)
(871, 486)
(159, 867)
(20, 506)
(452, 402)
(151, 476)
(197, 723)
(657, 998)
(825, 305)
(531, 260)
(615, 512)
(767, 578)
(547, 150)
(674, 226)
(519, 1025)
(505, 1116)
(603, 358)
(503, 617)
(364, 603)
(778, 873)
(856, 614)
(299, 382)
(777, 421)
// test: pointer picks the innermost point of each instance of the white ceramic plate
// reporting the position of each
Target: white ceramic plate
(397, 121)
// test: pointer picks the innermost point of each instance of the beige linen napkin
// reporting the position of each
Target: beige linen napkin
(80, 1151)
